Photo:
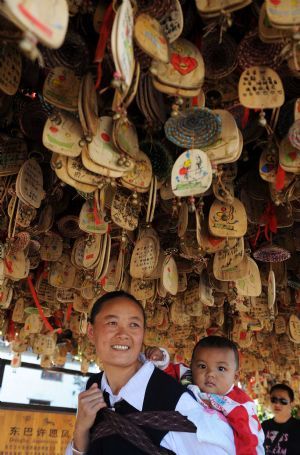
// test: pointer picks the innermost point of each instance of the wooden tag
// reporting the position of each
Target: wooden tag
(208, 242)
(175, 91)
(139, 177)
(29, 184)
(87, 221)
(172, 21)
(123, 212)
(10, 70)
(102, 150)
(48, 20)
(6, 294)
(192, 305)
(18, 312)
(59, 164)
(234, 273)
(62, 272)
(191, 173)
(185, 69)
(150, 37)
(231, 255)
(44, 290)
(64, 136)
(89, 104)
(214, 7)
(110, 277)
(283, 13)
(33, 324)
(92, 251)
(96, 168)
(16, 266)
(268, 163)
(122, 42)
(144, 257)
(61, 88)
(227, 145)
(271, 289)
(78, 172)
(51, 247)
(289, 157)
(44, 344)
(280, 325)
(294, 328)
(125, 137)
(250, 285)
(169, 275)
(227, 220)
(260, 87)
(206, 290)
(13, 153)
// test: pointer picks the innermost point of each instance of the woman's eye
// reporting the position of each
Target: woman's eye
(134, 324)
(112, 323)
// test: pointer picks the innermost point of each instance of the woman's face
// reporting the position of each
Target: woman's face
(118, 332)
(281, 405)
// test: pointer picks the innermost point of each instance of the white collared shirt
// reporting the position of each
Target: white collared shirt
(214, 436)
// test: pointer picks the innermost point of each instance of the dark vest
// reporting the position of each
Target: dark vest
(162, 394)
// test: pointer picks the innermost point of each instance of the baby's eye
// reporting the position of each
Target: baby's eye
(222, 369)
(202, 366)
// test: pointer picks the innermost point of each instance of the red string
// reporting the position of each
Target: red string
(269, 219)
(280, 177)
(69, 311)
(245, 117)
(104, 31)
(38, 305)
(8, 265)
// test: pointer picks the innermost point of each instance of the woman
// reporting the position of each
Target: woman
(142, 397)
(282, 433)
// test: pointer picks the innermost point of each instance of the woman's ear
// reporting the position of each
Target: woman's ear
(90, 332)
(236, 376)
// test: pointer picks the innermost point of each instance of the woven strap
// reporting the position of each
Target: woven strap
(128, 427)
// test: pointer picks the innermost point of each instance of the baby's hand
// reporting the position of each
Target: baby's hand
(154, 353)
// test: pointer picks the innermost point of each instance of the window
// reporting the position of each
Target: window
(39, 402)
(52, 375)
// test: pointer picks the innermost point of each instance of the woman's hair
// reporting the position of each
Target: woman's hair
(214, 341)
(283, 387)
(110, 296)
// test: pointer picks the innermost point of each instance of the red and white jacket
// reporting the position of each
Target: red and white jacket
(238, 408)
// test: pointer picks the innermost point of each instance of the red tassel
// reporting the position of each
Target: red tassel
(245, 117)
(69, 311)
(104, 31)
(280, 176)
(38, 305)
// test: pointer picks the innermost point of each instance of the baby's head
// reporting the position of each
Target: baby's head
(215, 364)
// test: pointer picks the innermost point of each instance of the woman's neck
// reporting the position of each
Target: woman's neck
(118, 376)
(282, 419)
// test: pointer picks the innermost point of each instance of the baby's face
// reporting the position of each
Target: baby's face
(214, 370)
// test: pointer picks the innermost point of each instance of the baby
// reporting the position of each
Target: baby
(214, 370)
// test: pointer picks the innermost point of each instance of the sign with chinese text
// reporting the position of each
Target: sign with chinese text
(33, 432)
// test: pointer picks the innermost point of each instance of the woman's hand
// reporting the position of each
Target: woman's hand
(89, 403)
